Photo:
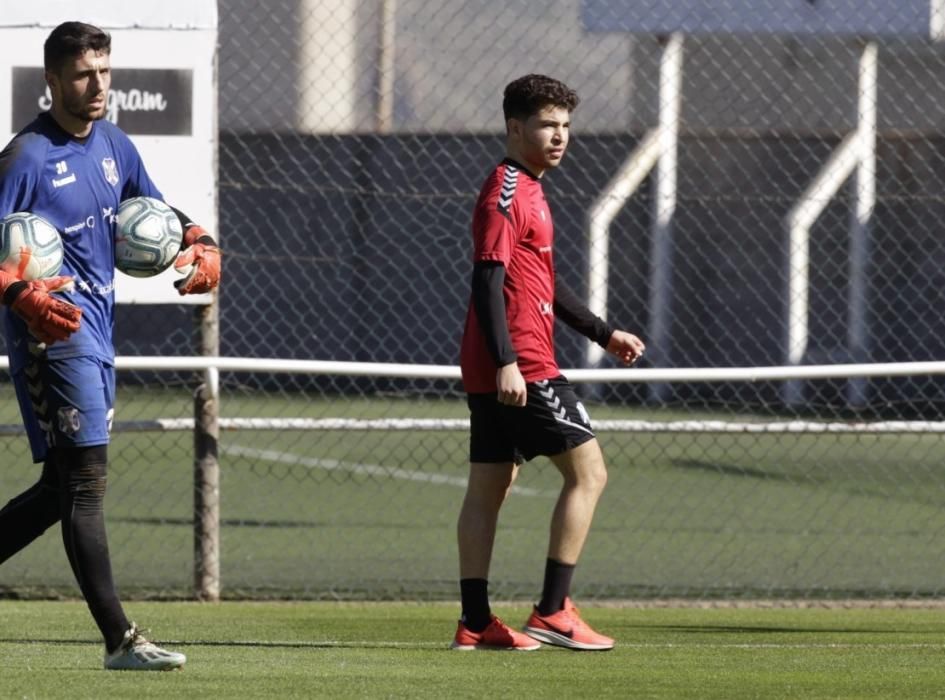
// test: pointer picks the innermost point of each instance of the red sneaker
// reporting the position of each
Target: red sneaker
(497, 636)
(565, 628)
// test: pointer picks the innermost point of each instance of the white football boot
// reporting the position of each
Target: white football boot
(135, 653)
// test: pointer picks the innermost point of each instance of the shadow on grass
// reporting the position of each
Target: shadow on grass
(232, 643)
(739, 471)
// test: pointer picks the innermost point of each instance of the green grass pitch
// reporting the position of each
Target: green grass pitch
(399, 650)
(363, 515)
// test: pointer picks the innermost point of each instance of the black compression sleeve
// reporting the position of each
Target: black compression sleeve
(489, 304)
(13, 291)
(185, 221)
(573, 312)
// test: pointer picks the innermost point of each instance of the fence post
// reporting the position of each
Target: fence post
(206, 463)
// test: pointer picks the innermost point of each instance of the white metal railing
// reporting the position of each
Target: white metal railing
(578, 376)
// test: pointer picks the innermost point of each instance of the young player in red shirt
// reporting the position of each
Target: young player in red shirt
(520, 405)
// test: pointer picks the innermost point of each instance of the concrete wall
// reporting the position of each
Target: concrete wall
(369, 271)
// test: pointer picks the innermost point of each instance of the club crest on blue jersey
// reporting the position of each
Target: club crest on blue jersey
(111, 170)
(69, 420)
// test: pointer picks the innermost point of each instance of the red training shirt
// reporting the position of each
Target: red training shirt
(512, 225)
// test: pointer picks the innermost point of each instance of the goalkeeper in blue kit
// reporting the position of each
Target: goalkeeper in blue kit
(72, 168)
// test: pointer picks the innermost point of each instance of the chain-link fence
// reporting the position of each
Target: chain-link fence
(796, 154)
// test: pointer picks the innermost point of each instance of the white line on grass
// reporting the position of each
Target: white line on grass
(368, 469)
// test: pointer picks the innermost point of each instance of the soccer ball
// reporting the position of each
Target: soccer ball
(30, 246)
(148, 237)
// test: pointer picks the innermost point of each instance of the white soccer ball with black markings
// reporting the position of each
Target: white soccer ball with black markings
(30, 246)
(148, 237)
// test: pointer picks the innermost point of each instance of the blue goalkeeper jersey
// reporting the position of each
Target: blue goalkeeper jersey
(76, 185)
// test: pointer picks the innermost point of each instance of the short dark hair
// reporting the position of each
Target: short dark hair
(71, 40)
(531, 93)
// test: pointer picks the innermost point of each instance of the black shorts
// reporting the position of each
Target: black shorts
(552, 421)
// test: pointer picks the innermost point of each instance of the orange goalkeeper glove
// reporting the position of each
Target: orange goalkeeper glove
(49, 319)
(202, 256)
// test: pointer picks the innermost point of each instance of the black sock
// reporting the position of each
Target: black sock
(83, 477)
(557, 586)
(475, 597)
